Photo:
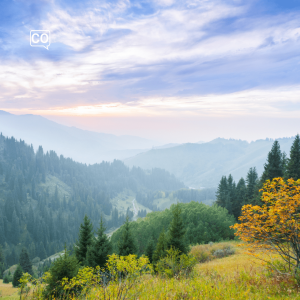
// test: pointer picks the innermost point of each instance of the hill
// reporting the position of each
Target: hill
(202, 165)
(44, 197)
(81, 145)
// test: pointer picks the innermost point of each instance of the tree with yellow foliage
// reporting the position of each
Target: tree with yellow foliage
(275, 226)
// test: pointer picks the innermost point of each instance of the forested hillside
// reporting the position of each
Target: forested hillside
(44, 197)
(233, 196)
(202, 223)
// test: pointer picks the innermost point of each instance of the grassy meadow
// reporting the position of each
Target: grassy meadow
(237, 276)
(7, 291)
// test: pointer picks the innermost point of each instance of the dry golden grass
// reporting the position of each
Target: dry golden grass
(8, 291)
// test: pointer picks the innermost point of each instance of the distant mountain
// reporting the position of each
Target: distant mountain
(81, 145)
(202, 165)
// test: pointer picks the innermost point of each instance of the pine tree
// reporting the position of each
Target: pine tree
(240, 199)
(150, 248)
(274, 165)
(17, 275)
(293, 165)
(251, 180)
(177, 231)
(222, 192)
(97, 253)
(25, 262)
(161, 247)
(85, 240)
(127, 243)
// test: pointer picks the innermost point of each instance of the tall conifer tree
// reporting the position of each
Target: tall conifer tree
(240, 199)
(274, 166)
(161, 247)
(127, 243)
(150, 248)
(85, 240)
(222, 192)
(293, 165)
(100, 249)
(25, 262)
(177, 231)
(252, 180)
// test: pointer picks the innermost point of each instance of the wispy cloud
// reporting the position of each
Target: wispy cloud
(114, 57)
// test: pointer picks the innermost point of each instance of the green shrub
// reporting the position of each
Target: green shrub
(6, 279)
(176, 264)
(65, 266)
(17, 275)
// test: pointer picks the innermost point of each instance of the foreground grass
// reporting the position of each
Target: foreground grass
(234, 277)
(7, 291)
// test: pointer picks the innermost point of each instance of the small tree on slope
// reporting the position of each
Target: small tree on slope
(177, 231)
(127, 244)
(100, 249)
(85, 240)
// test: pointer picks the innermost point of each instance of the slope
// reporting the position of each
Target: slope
(202, 165)
(81, 145)
(43, 197)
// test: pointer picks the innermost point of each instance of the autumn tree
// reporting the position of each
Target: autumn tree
(275, 226)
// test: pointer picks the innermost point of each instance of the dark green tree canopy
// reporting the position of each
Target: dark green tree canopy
(177, 231)
(274, 166)
(25, 262)
(150, 248)
(127, 243)
(293, 165)
(161, 247)
(65, 266)
(17, 275)
(85, 240)
(100, 248)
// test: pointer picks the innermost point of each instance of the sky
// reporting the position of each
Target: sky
(173, 71)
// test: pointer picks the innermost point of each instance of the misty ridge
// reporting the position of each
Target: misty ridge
(197, 165)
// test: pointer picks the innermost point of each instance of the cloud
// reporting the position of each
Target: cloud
(107, 53)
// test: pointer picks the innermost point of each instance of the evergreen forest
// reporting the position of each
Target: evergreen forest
(44, 197)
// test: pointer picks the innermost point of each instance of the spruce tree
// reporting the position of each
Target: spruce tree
(17, 275)
(97, 253)
(222, 192)
(161, 247)
(25, 262)
(293, 165)
(240, 198)
(252, 180)
(150, 248)
(85, 240)
(127, 243)
(274, 166)
(177, 231)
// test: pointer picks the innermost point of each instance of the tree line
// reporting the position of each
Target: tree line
(233, 196)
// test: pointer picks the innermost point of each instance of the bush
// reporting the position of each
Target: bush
(176, 264)
(224, 252)
(65, 266)
(205, 253)
(17, 275)
(6, 279)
